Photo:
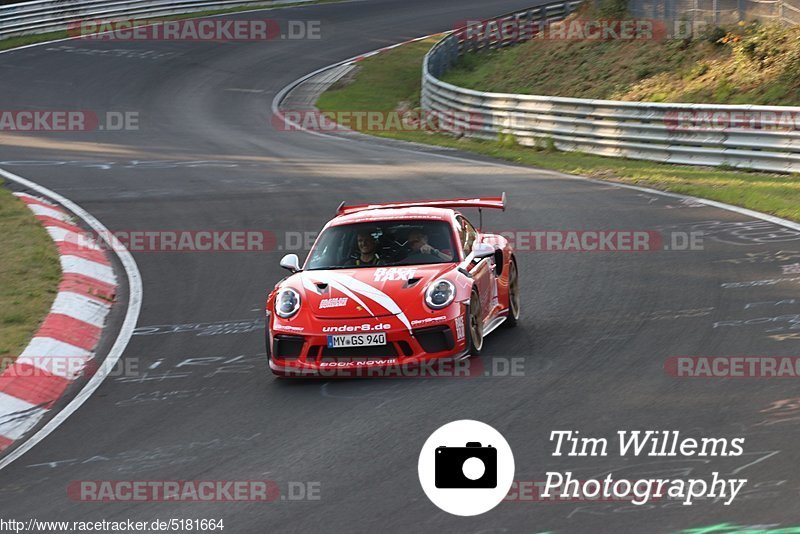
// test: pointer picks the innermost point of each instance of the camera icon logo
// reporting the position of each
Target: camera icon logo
(472, 466)
(466, 467)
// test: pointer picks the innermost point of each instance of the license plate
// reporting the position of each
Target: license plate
(356, 340)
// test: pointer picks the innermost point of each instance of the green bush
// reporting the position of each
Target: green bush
(714, 35)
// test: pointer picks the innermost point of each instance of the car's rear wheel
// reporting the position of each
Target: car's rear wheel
(513, 295)
(475, 325)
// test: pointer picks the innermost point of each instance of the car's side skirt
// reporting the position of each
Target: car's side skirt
(494, 323)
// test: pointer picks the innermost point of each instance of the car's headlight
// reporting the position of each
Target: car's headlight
(440, 294)
(287, 302)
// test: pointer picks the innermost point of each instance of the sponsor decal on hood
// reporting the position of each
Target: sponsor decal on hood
(336, 302)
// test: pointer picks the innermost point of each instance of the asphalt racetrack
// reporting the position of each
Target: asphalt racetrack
(596, 332)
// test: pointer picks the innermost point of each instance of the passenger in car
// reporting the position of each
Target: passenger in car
(418, 242)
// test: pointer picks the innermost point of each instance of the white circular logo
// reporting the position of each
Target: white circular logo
(466, 467)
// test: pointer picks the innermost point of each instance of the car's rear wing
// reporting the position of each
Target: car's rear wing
(481, 202)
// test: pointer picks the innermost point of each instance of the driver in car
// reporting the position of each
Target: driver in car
(418, 242)
(367, 255)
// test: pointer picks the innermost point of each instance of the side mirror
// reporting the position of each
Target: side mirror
(291, 262)
(482, 250)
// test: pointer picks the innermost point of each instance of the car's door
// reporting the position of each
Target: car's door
(482, 271)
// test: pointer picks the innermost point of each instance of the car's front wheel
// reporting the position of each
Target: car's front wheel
(513, 294)
(475, 325)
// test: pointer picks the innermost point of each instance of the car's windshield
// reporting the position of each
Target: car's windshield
(379, 243)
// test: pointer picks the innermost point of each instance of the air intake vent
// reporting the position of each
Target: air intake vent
(435, 338)
(287, 347)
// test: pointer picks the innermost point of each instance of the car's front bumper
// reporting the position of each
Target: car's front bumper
(430, 346)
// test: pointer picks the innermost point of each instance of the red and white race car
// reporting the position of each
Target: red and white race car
(388, 285)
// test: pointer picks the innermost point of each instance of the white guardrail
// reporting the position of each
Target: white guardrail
(41, 16)
(637, 130)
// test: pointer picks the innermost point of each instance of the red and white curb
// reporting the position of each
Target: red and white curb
(64, 345)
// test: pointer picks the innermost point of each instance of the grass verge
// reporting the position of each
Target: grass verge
(29, 275)
(391, 80)
(753, 63)
(23, 40)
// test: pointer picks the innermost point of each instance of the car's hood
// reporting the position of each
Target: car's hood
(366, 292)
